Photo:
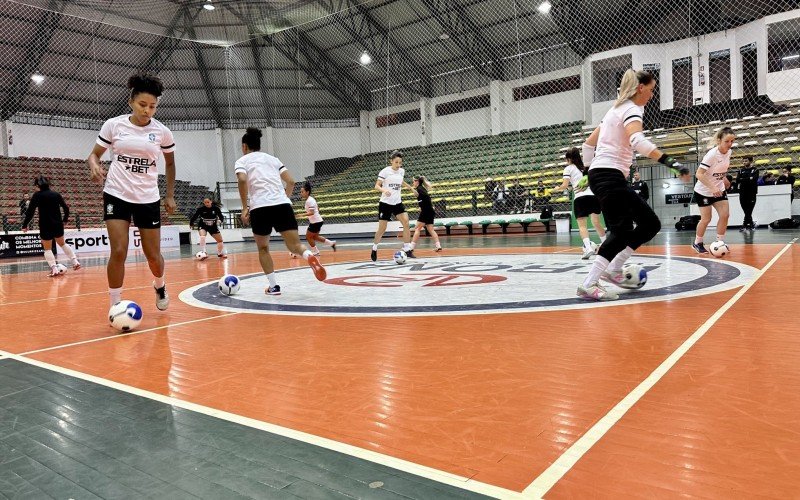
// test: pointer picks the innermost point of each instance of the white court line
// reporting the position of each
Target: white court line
(570, 457)
(353, 451)
(135, 332)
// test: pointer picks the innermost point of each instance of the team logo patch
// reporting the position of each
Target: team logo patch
(151, 137)
(110, 208)
(468, 284)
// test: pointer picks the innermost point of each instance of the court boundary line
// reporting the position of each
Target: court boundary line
(415, 469)
(564, 463)
(120, 335)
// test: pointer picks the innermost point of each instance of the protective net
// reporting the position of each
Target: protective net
(483, 97)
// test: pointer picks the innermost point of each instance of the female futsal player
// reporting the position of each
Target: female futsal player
(136, 141)
(426, 215)
(611, 146)
(585, 204)
(709, 191)
(314, 221)
(209, 213)
(390, 182)
(267, 183)
(51, 222)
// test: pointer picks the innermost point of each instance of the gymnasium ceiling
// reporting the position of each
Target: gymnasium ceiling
(280, 60)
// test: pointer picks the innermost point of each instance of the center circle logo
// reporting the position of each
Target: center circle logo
(464, 284)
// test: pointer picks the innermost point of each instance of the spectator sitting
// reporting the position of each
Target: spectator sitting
(767, 179)
(516, 196)
(500, 197)
(488, 187)
(786, 177)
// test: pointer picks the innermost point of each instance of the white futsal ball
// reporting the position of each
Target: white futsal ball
(635, 276)
(61, 268)
(719, 249)
(229, 284)
(400, 257)
(125, 315)
(201, 255)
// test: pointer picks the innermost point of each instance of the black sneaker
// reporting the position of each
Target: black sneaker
(273, 290)
(374, 255)
(699, 247)
(162, 299)
(410, 254)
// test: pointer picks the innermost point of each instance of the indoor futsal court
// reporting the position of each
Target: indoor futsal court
(399, 249)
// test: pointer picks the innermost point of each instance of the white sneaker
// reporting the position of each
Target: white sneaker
(162, 298)
(587, 252)
(596, 292)
(315, 252)
(613, 277)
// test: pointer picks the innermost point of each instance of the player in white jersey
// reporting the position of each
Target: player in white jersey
(390, 182)
(585, 203)
(135, 142)
(609, 151)
(315, 221)
(711, 186)
(268, 184)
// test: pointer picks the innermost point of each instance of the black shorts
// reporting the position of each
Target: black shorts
(279, 217)
(50, 232)
(426, 217)
(314, 227)
(144, 215)
(586, 205)
(707, 201)
(385, 211)
(212, 229)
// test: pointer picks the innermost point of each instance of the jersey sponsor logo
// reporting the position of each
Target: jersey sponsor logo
(151, 137)
(469, 284)
(136, 165)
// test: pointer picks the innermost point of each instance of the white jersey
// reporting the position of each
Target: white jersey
(392, 179)
(575, 175)
(311, 205)
(614, 149)
(134, 150)
(264, 183)
(716, 164)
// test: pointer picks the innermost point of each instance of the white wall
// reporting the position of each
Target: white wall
(539, 111)
(474, 123)
(197, 157)
(783, 85)
(52, 142)
(403, 135)
(299, 148)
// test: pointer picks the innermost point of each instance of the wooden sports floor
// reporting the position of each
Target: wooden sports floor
(470, 373)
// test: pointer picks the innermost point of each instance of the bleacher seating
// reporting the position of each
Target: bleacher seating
(458, 170)
(71, 178)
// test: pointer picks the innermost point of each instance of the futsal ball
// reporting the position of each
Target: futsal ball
(61, 268)
(719, 249)
(229, 284)
(400, 257)
(125, 315)
(635, 276)
(201, 255)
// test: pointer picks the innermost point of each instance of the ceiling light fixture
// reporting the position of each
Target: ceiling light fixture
(789, 58)
(309, 84)
(208, 5)
(37, 78)
(365, 58)
(444, 36)
(544, 7)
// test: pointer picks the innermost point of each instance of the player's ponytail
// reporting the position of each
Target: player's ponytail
(574, 156)
(307, 187)
(630, 84)
(424, 182)
(715, 139)
(252, 138)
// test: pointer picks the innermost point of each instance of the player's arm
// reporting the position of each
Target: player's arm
(379, 187)
(64, 207)
(194, 216)
(241, 178)
(31, 210)
(96, 171)
(220, 216)
(288, 180)
(169, 170)
(707, 180)
(563, 185)
(643, 146)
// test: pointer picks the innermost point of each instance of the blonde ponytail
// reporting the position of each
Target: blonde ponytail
(630, 84)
